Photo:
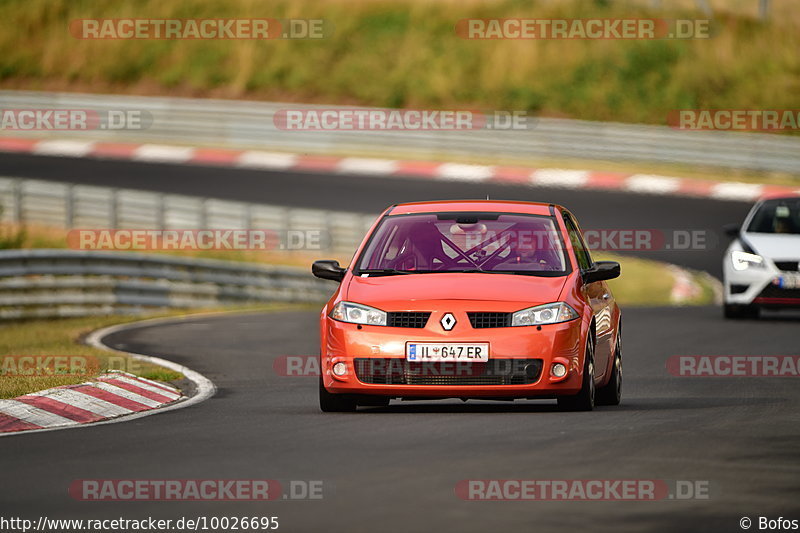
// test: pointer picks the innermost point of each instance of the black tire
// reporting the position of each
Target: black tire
(373, 401)
(739, 312)
(335, 403)
(584, 400)
(611, 393)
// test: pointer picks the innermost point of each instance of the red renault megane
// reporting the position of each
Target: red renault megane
(471, 299)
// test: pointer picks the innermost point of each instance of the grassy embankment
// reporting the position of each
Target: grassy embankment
(405, 53)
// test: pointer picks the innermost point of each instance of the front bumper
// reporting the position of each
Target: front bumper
(374, 346)
(758, 286)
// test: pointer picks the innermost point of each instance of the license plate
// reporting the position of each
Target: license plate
(790, 281)
(447, 351)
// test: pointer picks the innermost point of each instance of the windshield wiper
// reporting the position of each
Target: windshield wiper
(392, 271)
(384, 271)
(479, 271)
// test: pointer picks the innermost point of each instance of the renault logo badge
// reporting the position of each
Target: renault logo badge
(448, 321)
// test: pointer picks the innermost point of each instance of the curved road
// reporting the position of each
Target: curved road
(395, 469)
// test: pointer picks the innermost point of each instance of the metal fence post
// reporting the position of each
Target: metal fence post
(69, 208)
(248, 216)
(114, 213)
(161, 223)
(16, 205)
(763, 9)
(204, 213)
(703, 6)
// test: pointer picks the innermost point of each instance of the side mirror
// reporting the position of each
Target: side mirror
(601, 271)
(328, 269)
(731, 230)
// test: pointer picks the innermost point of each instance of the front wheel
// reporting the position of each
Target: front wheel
(611, 393)
(584, 400)
(335, 403)
(738, 312)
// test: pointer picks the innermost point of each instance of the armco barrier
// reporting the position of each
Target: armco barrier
(60, 283)
(64, 205)
(250, 124)
(54, 283)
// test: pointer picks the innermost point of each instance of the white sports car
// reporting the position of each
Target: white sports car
(762, 265)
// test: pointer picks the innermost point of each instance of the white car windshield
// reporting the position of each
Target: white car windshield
(777, 216)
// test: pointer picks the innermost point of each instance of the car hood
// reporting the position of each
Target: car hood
(774, 246)
(404, 288)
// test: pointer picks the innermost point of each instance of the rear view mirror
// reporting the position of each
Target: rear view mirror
(731, 230)
(601, 271)
(328, 269)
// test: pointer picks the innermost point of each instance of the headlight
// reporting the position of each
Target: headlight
(544, 314)
(745, 260)
(358, 314)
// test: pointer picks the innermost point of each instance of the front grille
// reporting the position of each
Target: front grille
(489, 320)
(396, 371)
(407, 319)
(788, 266)
(772, 291)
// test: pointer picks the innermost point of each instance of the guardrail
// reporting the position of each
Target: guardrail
(250, 124)
(27, 201)
(62, 283)
(59, 283)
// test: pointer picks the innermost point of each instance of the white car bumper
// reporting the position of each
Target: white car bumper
(765, 285)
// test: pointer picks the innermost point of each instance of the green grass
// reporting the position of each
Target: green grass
(60, 338)
(644, 282)
(406, 54)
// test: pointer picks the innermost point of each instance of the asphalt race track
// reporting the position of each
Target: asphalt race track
(396, 468)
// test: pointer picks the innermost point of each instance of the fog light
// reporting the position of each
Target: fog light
(559, 370)
(340, 369)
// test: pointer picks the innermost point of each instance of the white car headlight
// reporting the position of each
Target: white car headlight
(544, 314)
(745, 260)
(358, 314)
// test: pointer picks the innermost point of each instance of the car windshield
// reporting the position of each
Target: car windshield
(465, 242)
(777, 216)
